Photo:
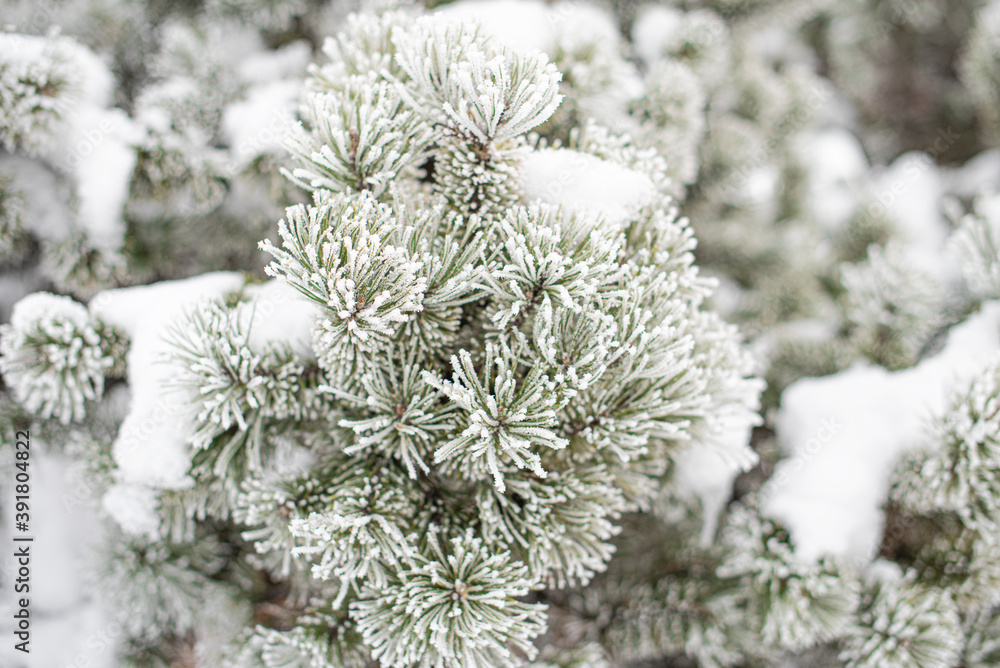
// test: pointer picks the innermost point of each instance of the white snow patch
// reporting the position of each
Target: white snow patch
(707, 474)
(585, 183)
(134, 507)
(532, 25)
(101, 155)
(910, 191)
(761, 189)
(288, 62)
(884, 571)
(258, 124)
(277, 313)
(151, 448)
(837, 171)
(61, 618)
(96, 84)
(654, 28)
(981, 173)
(843, 434)
(524, 25)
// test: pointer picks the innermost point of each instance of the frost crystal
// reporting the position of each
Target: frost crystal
(452, 607)
(54, 356)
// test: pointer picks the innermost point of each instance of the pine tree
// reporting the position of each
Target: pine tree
(409, 356)
(486, 383)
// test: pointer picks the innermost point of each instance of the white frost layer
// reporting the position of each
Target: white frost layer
(151, 448)
(843, 434)
(584, 183)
